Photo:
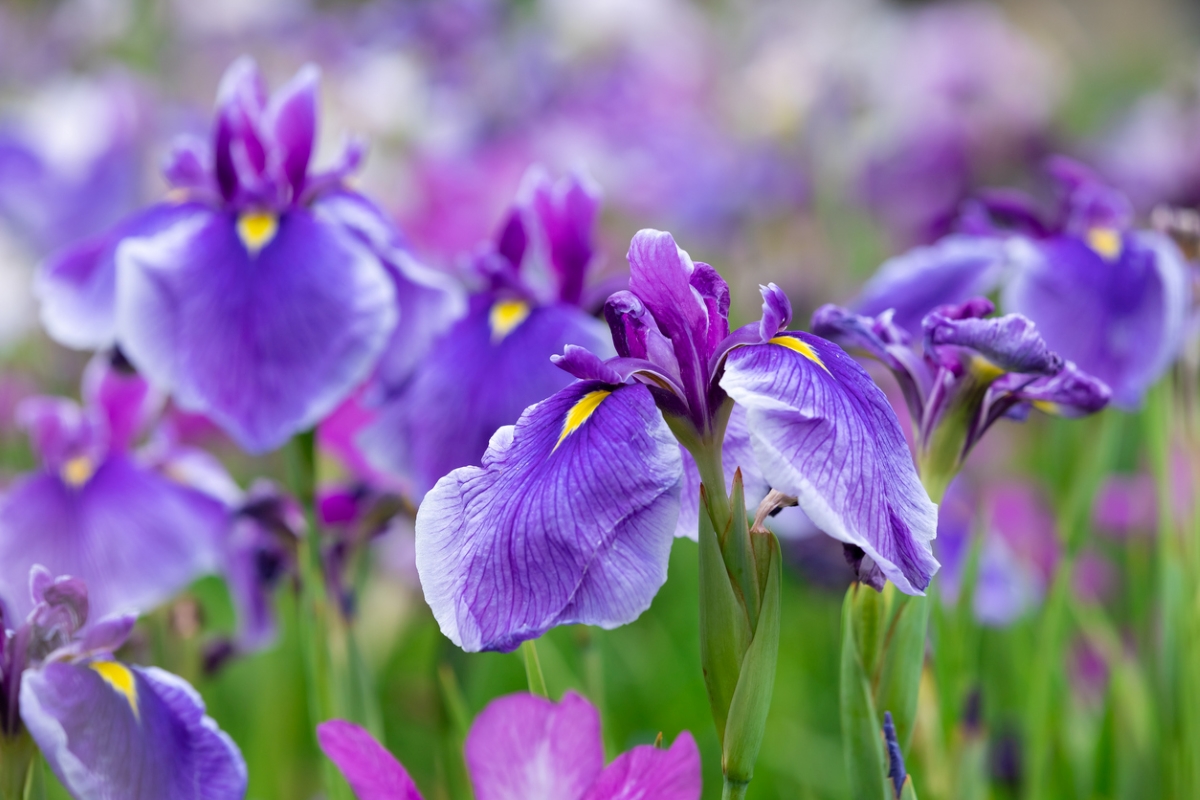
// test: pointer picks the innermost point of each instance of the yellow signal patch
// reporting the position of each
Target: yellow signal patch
(802, 347)
(77, 471)
(505, 316)
(120, 678)
(256, 229)
(1105, 241)
(579, 413)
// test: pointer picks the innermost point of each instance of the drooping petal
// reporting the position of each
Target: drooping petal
(955, 269)
(76, 287)
(1120, 318)
(372, 772)
(429, 302)
(134, 537)
(529, 747)
(1068, 393)
(265, 343)
(476, 379)
(646, 772)
(1011, 343)
(824, 433)
(112, 732)
(569, 520)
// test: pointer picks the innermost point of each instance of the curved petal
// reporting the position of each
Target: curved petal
(824, 433)
(264, 344)
(470, 384)
(429, 301)
(125, 399)
(569, 520)
(134, 537)
(532, 748)
(292, 116)
(1119, 319)
(112, 732)
(76, 287)
(372, 772)
(1010, 343)
(953, 270)
(647, 772)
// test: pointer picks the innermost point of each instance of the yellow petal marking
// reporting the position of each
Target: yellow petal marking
(256, 229)
(984, 369)
(579, 413)
(119, 677)
(802, 347)
(505, 316)
(1105, 241)
(1047, 407)
(77, 471)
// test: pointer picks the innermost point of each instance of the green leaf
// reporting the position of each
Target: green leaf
(907, 792)
(862, 731)
(903, 661)
(724, 626)
(752, 698)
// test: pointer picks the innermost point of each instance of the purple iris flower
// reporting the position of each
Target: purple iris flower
(1104, 295)
(260, 293)
(108, 730)
(97, 510)
(495, 361)
(529, 747)
(969, 371)
(571, 516)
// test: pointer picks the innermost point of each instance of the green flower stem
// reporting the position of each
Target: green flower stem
(533, 669)
(734, 791)
(17, 756)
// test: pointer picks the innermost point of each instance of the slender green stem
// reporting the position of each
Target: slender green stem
(533, 669)
(734, 790)
(17, 756)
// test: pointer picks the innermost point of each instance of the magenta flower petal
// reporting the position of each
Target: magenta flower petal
(647, 772)
(372, 772)
(529, 747)
(824, 433)
(266, 343)
(135, 537)
(113, 732)
(569, 520)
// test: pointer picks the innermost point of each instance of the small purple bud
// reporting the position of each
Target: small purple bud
(895, 757)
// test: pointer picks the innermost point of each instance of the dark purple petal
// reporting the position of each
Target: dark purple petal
(586, 365)
(372, 772)
(1069, 393)
(776, 311)
(568, 212)
(125, 399)
(824, 433)
(636, 335)
(477, 378)
(953, 270)
(428, 301)
(647, 772)
(265, 344)
(689, 303)
(76, 287)
(1087, 201)
(1011, 343)
(569, 520)
(513, 239)
(292, 116)
(238, 147)
(1120, 318)
(187, 165)
(113, 732)
(526, 746)
(134, 537)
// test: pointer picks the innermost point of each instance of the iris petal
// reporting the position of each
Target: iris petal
(544, 535)
(829, 438)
